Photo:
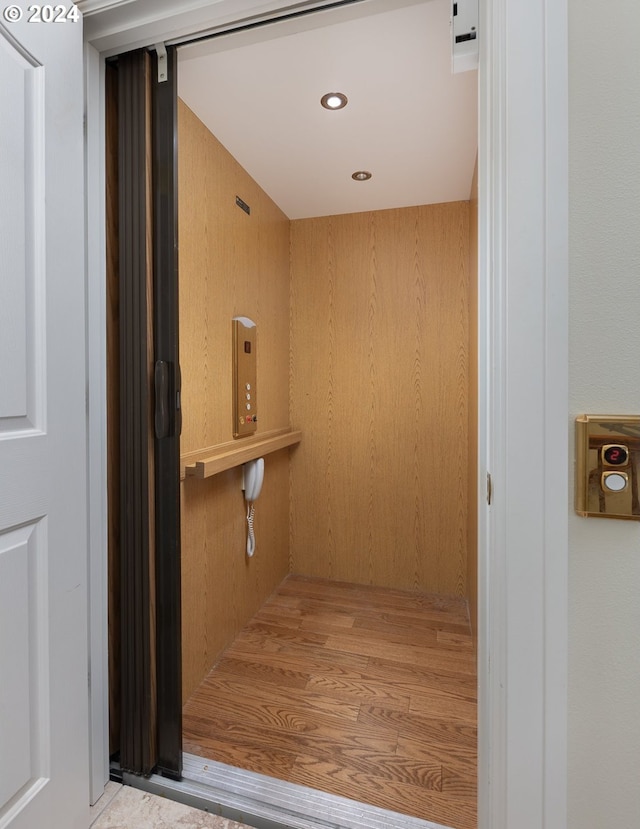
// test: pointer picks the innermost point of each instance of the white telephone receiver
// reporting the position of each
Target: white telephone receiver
(252, 477)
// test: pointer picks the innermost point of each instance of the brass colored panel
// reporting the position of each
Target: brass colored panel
(608, 466)
(245, 402)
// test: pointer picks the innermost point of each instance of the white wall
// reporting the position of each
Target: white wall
(604, 566)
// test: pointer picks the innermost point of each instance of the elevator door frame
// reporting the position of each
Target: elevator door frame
(522, 407)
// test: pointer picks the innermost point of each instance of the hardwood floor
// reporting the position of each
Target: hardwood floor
(358, 691)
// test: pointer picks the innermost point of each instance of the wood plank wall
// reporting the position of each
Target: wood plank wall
(472, 530)
(379, 388)
(377, 378)
(231, 264)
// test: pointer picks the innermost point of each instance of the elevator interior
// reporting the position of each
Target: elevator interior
(364, 309)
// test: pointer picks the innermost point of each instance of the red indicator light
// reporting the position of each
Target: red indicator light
(615, 455)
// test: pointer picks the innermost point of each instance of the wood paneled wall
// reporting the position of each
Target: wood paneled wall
(379, 388)
(472, 531)
(371, 362)
(231, 264)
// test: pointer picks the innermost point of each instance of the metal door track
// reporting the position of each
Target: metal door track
(266, 803)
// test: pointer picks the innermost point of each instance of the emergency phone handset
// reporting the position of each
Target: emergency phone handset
(252, 478)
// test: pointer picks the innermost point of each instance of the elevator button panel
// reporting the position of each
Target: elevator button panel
(608, 466)
(245, 402)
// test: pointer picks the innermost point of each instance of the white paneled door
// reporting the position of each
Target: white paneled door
(43, 537)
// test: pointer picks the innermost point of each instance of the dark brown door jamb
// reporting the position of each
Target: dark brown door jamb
(138, 752)
(167, 420)
(150, 688)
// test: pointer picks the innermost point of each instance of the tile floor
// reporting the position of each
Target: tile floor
(122, 807)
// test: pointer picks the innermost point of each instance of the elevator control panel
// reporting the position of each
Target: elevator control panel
(608, 466)
(245, 401)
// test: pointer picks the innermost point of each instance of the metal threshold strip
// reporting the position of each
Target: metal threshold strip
(266, 803)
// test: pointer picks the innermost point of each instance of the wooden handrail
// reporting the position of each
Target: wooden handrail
(204, 463)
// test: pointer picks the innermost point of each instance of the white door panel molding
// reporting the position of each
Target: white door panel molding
(524, 415)
(43, 551)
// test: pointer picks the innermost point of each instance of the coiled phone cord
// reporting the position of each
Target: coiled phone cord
(251, 538)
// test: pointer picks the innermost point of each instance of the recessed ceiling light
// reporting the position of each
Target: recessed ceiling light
(361, 175)
(333, 100)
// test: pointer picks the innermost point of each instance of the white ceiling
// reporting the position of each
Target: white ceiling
(409, 120)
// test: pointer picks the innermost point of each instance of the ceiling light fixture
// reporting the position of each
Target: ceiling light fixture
(334, 100)
(361, 175)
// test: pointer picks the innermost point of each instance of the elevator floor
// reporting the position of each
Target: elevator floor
(364, 692)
